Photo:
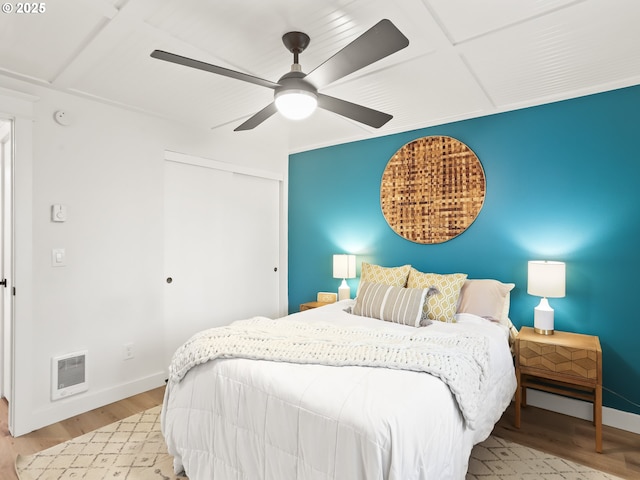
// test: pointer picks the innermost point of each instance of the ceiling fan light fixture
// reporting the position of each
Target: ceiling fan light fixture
(296, 104)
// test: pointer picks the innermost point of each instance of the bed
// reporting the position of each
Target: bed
(337, 392)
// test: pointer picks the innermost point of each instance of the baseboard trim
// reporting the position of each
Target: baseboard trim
(72, 406)
(584, 410)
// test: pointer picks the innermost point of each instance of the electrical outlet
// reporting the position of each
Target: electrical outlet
(127, 352)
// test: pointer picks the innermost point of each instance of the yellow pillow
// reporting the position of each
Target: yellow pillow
(393, 276)
(441, 306)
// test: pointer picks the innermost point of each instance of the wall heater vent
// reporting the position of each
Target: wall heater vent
(68, 375)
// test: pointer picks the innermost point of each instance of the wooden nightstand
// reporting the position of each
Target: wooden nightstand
(310, 305)
(568, 364)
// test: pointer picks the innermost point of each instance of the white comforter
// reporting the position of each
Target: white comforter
(256, 419)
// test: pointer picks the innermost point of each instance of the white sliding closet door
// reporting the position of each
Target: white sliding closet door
(221, 248)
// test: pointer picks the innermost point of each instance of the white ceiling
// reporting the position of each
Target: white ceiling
(466, 58)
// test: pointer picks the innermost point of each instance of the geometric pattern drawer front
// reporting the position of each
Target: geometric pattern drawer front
(576, 362)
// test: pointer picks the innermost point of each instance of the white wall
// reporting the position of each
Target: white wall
(107, 168)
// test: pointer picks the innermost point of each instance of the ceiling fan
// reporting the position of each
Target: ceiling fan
(296, 93)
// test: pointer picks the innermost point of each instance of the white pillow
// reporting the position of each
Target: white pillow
(486, 298)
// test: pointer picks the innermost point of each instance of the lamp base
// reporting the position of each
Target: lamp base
(543, 332)
(543, 318)
(344, 292)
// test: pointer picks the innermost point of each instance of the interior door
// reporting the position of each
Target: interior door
(221, 248)
(6, 256)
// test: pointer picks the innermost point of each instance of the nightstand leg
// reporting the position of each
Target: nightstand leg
(518, 401)
(597, 417)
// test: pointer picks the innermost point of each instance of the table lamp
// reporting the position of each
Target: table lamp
(344, 266)
(545, 279)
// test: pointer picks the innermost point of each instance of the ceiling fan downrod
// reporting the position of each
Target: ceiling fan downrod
(296, 43)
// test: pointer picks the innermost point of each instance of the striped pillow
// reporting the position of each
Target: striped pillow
(391, 304)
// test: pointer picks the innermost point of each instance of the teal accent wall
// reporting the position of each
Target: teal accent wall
(562, 184)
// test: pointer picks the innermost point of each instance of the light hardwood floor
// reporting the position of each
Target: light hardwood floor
(557, 434)
(573, 439)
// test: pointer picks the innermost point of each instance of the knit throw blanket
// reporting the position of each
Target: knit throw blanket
(458, 360)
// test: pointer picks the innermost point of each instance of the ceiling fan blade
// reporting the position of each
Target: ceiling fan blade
(356, 112)
(378, 42)
(258, 118)
(207, 67)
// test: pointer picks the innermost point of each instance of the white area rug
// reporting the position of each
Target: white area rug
(133, 449)
(496, 458)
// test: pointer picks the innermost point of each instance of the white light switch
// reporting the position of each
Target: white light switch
(58, 257)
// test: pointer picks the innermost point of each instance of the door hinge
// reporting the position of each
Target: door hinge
(4, 282)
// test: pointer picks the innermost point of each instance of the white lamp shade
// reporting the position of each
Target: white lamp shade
(546, 279)
(296, 104)
(344, 266)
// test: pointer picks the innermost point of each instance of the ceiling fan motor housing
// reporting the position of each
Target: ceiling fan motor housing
(294, 80)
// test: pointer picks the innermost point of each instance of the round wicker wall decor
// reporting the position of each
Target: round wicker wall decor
(432, 189)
